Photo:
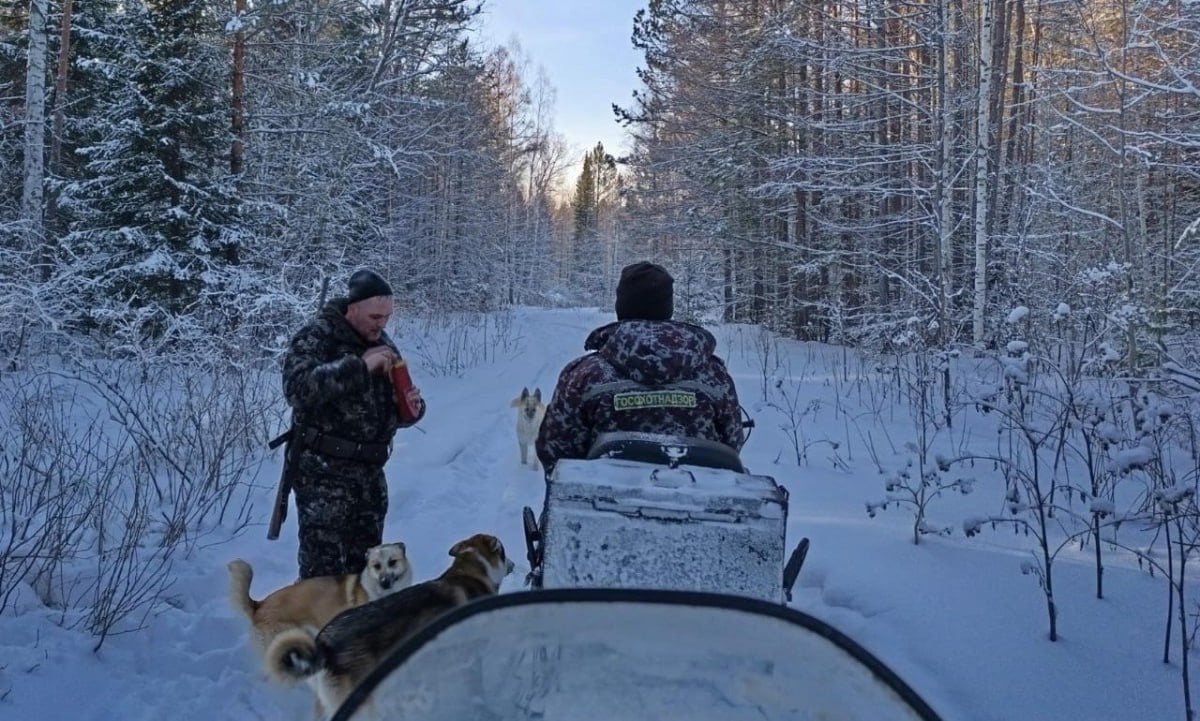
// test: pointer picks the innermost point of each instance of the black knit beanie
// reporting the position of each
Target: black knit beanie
(645, 292)
(366, 284)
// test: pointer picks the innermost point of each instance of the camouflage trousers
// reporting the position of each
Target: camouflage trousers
(340, 508)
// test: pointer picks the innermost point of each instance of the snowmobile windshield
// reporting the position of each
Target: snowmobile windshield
(627, 654)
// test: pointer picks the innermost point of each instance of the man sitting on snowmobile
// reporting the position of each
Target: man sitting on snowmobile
(644, 373)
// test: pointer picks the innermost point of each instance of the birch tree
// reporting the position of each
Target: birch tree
(983, 127)
(33, 193)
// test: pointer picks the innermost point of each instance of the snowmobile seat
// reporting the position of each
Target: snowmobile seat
(666, 450)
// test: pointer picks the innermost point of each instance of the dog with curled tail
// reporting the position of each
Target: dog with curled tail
(313, 602)
(338, 658)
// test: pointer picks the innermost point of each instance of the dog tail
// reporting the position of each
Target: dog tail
(240, 575)
(293, 656)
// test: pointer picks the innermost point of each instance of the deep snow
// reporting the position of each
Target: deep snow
(953, 616)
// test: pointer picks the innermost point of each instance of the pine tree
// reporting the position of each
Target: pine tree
(584, 203)
(94, 77)
(593, 254)
(154, 213)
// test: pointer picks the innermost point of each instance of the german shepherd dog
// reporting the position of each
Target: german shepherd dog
(352, 644)
(529, 420)
(313, 602)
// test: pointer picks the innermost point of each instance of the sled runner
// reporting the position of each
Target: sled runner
(630, 655)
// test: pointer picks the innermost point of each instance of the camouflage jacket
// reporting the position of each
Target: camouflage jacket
(648, 376)
(326, 383)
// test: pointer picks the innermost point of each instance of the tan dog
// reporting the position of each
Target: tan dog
(313, 602)
(529, 420)
(344, 652)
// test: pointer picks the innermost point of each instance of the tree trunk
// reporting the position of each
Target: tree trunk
(982, 133)
(237, 124)
(56, 136)
(945, 195)
(33, 193)
(1012, 142)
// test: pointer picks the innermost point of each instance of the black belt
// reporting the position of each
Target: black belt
(327, 445)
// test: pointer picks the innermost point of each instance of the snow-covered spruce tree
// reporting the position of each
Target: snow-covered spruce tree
(32, 295)
(594, 256)
(155, 221)
(90, 78)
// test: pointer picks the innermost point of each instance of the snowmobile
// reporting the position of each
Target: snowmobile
(658, 591)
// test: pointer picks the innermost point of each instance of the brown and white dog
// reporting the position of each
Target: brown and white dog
(313, 602)
(351, 645)
(529, 420)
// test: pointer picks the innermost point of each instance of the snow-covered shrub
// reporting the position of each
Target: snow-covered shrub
(787, 398)
(51, 464)
(1095, 431)
(922, 379)
(74, 511)
(112, 470)
(449, 343)
(1164, 453)
(1051, 419)
(199, 432)
(760, 346)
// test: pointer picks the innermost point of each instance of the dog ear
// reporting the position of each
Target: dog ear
(458, 548)
(537, 393)
(524, 393)
(403, 548)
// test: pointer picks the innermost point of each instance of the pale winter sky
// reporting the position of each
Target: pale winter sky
(585, 48)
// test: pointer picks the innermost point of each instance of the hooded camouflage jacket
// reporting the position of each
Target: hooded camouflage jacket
(647, 376)
(326, 383)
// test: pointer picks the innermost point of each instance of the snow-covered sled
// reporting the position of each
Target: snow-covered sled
(578, 654)
(654, 511)
(658, 593)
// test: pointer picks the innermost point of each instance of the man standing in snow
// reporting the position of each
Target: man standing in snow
(344, 415)
(646, 373)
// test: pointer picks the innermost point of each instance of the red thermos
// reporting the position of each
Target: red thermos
(401, 385)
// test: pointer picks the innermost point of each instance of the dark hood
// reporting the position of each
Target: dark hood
(654, 352)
